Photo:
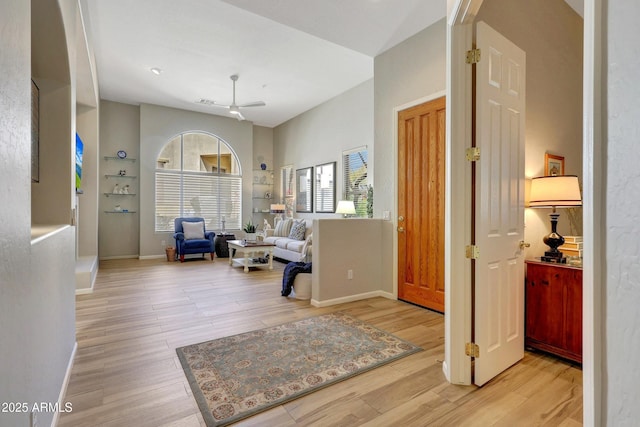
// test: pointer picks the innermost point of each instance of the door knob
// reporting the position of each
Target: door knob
(400, 218)
(524, 244)
(400, 229)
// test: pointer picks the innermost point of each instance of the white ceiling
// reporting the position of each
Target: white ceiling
(291, 54)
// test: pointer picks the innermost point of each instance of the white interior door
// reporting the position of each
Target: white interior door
(499, 213)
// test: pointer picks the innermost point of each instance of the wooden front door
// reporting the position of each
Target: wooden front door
(421, 178)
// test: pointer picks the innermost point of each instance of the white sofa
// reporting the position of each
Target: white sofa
(291, 249)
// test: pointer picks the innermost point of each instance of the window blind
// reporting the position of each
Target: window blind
(194, 194)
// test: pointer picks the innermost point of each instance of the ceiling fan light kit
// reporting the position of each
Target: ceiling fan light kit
(233, 108)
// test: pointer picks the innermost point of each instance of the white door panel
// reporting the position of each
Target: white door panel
(499, 214)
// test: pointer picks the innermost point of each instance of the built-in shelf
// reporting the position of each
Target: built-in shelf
(126, 159)
(262, 186)
(121, 176)
(118, 194)
(120, 212)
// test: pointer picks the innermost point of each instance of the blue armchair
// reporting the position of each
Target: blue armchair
(192, 241)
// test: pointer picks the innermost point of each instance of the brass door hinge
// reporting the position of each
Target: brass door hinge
(472, 349)
(473, 154)
(472, 251)
(473, 56)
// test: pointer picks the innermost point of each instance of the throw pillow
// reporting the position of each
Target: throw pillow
(297, 230)
(193, 230)
(283, 228)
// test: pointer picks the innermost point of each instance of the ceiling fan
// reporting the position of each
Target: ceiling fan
(234, 108)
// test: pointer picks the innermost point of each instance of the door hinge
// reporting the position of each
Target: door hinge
(472, 349)
(473, 154)
(473, 56)
(472, 251)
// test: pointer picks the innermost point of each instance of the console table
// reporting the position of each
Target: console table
(248, 250)
(553, 309)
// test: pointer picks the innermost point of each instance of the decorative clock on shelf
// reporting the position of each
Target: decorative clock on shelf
(122, 154)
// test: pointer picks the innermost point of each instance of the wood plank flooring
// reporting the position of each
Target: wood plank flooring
(126, 371)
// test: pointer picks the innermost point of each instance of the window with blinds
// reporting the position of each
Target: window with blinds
(198, 175)
(356, 181)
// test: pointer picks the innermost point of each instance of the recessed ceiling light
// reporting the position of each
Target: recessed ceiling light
(156, 71)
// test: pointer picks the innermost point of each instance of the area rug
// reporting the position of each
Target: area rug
(236, 377)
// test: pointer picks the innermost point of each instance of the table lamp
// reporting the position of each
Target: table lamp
(553, 192)
(346, 208)
(277, 209)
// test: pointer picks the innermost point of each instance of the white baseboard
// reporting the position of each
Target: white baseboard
(86, 272)
(350, 298)
(119, 257)
(65, 384)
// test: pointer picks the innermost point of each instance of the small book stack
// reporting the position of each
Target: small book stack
(572, 246)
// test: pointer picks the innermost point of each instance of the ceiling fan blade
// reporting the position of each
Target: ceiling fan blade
(253, 104)
(240, 116)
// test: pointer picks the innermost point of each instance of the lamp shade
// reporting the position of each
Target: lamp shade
(346, 207)
(277, 208)
(555, 191)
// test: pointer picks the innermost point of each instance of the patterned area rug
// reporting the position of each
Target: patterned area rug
(238, 376)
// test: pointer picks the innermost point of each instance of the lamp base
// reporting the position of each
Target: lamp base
(555, 257)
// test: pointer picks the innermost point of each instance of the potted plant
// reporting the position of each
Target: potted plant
(250, 231)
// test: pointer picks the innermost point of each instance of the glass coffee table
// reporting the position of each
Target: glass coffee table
(242, 253)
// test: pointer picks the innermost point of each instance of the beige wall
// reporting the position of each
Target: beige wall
(412, 70)
(118, 234)
(142, 132)
(621, 201)
(37, 282)
(321, 134)
(160, 124)
(262, 147)
(550, 33)
(343, 245)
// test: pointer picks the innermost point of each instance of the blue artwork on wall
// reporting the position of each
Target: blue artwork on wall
(79, 153)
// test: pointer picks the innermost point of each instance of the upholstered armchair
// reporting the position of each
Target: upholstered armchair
(192, 237)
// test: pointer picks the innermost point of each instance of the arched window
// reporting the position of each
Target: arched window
(198, 174)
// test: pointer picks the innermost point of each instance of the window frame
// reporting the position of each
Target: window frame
(360, 197)
(193, 180)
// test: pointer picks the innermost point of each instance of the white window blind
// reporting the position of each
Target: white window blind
(210, 195)
(356, 181)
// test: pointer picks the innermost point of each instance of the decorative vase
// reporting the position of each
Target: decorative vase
(263, 166)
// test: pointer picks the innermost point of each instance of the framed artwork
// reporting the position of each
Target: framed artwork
(304, 190)
(553, 165)
(286, 190)
(35, 132)
(326, 188)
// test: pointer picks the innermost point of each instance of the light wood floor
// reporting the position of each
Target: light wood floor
(126, 371)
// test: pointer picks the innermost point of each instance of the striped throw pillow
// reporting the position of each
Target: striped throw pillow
(283, 228)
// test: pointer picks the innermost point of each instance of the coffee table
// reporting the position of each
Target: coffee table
(248, 250)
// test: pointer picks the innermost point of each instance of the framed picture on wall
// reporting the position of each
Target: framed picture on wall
(304, 190)
(553, 165)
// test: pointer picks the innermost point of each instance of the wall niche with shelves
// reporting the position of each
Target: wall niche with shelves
(262, 197)
(119, 185)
